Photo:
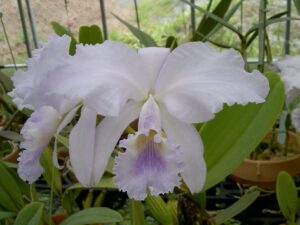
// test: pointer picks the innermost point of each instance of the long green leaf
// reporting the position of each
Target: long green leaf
(6, 215)
(214, 17)
(92, 216)
(286, 193)
(51, 173)
(90, 35)
(237, 130)
(6, 202)
(8, 183)
(297, 5)
(60, 31)
(159, 210)
(269, 22)
(143, 37)
(31, 214)
(239, 206)
(227, 17)
(137, 213)
(207, 24)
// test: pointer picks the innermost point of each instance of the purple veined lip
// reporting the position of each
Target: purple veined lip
(149, 158)
(148, 165)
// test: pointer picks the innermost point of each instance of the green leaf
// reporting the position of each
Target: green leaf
(215, 18)
(240, 205)
(227, 17)
(286, 193)
(297, 5)
(63, 140)
(6, 202)
(69, 198)
(171, 42)
(207, 24)
(6, 215)
(90, 35)
(60, 31)
(93, 215)
(172, 207)
(143, 37)
(159, 210)
(6, 82)
(11, 135)
(137, 213)
(237, 130)
(51, 173)
(269, 22)
(31, 214)
(8, 184)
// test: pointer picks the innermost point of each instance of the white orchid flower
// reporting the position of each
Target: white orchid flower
(167, 91)
(289, 70)
(51, 112)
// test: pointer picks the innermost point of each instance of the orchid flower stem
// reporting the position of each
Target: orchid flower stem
(99, 199)
(33, 195)
(89, 199)
(51, 194)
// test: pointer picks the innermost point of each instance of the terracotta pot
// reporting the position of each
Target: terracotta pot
(263, 173)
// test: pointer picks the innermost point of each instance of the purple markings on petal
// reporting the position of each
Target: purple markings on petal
(147, 165)
(149, 159)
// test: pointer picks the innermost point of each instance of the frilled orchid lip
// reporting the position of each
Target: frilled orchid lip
(149, 165)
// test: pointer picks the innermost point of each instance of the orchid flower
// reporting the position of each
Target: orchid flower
(289, 70)
(167, 92)
(51, 112)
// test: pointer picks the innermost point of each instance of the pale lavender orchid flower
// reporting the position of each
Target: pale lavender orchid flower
(167, 91)
(51, 112)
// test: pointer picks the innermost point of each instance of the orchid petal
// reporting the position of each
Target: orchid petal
(289, 70)
(153, 59)
(108, 133)
(37, 132)
(82, 147)
(196, 81)
(101, 67)
(27, 92)
(189, 140)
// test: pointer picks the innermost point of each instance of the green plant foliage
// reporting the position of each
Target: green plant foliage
(92, 216)
(60, 31)
(137, 213)
(10, 187)
(143, 37)
(207, 24)
(51, 173)
(287, 197)
(297, 5)
(171, 42)
(159, 210)
(31, 214)
(6, 215)
(240, 205)
(90, 35)
(237, 130)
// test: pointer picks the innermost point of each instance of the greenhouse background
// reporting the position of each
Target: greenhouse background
(160, 19)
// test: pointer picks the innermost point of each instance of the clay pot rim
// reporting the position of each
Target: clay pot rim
(253, 161)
